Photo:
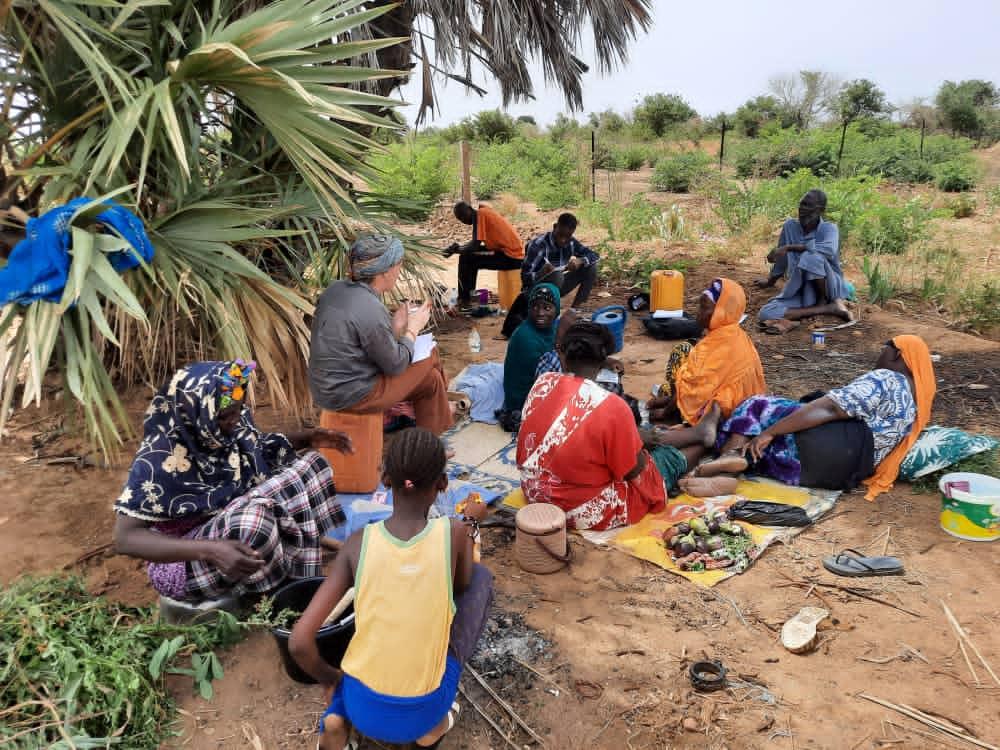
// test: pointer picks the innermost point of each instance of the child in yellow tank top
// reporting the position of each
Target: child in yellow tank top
(420, 606)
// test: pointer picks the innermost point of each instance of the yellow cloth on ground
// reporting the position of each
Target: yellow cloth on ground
(645, 539)
(403, 610)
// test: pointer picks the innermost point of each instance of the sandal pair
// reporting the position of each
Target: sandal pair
(853, 564)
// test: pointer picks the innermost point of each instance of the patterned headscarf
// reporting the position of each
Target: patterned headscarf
(714, 290)
(186, 466)
(373, 254)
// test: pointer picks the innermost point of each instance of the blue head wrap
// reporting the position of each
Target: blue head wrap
(373, 254)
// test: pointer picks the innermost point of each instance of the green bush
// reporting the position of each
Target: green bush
(605, 157)
(633, 157)
(963, 206)
(877, 149)
(847, 199)
(491, 171)
(679, 172)
(980, 305)
(635, 220)
(536, 169)
(956, 176)
(890, 228)
(417, 173)
(782, 152)
(881, 287)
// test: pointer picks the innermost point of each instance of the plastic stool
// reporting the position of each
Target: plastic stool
(358, 472)
(509, 287)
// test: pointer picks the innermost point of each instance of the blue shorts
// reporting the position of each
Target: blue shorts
(387, 718)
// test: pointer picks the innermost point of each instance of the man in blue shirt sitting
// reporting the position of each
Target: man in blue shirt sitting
(555, 257)
(808, 257)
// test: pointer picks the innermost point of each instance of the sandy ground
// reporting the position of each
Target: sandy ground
(620, 633)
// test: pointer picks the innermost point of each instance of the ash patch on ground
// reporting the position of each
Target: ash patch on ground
(505, 642)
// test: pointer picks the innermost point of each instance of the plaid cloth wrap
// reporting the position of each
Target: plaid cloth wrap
(283, 518)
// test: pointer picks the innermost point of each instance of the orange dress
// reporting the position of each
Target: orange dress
(918, 359)
(724, 366)
(494, 231)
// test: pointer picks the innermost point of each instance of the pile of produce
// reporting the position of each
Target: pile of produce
(710, 542)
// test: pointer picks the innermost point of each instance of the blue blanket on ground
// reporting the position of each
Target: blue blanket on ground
(484, 385)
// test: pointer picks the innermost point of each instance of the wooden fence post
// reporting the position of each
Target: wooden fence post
(722, 143)
(466, 173)
(593, 166)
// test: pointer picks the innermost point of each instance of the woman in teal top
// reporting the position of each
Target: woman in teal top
(533, 338)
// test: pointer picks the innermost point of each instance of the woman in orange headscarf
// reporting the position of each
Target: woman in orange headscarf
(723, 367)
(860, 431)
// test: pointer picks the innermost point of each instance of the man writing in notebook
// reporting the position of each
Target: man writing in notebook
(558, 258)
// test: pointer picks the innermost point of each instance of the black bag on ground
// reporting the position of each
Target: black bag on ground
(768, 514)
(837, 455)
(672, 329)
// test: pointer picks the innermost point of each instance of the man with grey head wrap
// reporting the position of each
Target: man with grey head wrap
(360, 357)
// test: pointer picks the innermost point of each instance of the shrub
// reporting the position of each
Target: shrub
(980, 305)
(491, 171)
(494, 126)
(891, 228)
(635, 220)
(847, 199)
(963, 206)
(632, 158)
(783, 152)
(881, 287)
(627, 266)
(679, 172)
(956, 176)
(536, 169)
(875, 149)
(657, 113)
(605, 157)
(421, 173)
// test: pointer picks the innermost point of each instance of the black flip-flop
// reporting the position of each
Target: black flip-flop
(852, 564)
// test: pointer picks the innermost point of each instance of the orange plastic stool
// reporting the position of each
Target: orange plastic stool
(358, 472)
(509, 287)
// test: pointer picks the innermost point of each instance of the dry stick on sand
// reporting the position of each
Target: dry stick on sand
(489, 719)
(968, 661)
(505, 706)
(962, 635)
(862, 594)
(937, 738)
(923, 718)
(548, 679)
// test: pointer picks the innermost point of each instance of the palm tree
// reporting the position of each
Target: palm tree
(235, 131)
(502, 37)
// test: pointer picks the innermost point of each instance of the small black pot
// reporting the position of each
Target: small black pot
(331, 640)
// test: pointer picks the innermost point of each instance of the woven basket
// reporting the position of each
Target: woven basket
(541, 545)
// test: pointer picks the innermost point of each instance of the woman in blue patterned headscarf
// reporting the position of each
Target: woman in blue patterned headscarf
(217, 505)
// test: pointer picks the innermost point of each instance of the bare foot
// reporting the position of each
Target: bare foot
(708, 486)
(839, 308)
(728, 463)
(708, 427)
(779, 326)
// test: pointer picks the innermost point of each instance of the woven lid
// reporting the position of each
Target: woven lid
(540, 518)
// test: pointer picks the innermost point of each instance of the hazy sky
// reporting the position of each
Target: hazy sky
(718, 54)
